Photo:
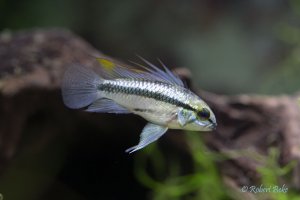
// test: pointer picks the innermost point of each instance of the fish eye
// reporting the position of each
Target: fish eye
(204, 114)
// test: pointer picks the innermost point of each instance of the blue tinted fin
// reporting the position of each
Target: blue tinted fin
(79, 86)
(106, 106)
(113, 69)
(172, 76)
(165, 74)
(150, 133)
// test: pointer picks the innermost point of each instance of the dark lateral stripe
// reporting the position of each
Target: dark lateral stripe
(143, 110)
(108, 87)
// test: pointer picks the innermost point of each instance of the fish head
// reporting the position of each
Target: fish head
(206, 119)
(200, 119)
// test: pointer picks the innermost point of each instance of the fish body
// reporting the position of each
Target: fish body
(157, 102)
(158, 96)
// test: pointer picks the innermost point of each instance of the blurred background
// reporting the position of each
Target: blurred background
(226, 44)
(231, 47)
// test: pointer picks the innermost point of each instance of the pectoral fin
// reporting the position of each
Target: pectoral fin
(150, 133)
(185, 116)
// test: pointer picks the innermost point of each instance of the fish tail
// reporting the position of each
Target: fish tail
(79, 87)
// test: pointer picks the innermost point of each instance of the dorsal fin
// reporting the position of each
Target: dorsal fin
(165, 74)
(113, 69)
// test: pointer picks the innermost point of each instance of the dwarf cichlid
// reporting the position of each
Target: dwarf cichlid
(157, 95)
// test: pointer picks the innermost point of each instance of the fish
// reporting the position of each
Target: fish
(156, 94)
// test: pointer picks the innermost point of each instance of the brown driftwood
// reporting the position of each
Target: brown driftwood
(256, 123)
(31, 67)
(31, 62)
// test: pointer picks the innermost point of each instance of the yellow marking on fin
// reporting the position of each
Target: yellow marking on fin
(108, 65)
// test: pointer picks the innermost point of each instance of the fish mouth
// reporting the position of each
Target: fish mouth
(212, 126)
(208, 126)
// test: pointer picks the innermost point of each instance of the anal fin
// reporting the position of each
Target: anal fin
(104, 105)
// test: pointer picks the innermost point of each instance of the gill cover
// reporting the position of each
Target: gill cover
(185, 117)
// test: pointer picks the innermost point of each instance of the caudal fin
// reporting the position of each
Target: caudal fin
(79, 86)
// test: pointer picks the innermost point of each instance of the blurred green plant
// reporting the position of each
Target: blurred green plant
(205, 181)
(272, 174)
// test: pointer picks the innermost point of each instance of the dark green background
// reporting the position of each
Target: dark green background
(230, 46)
